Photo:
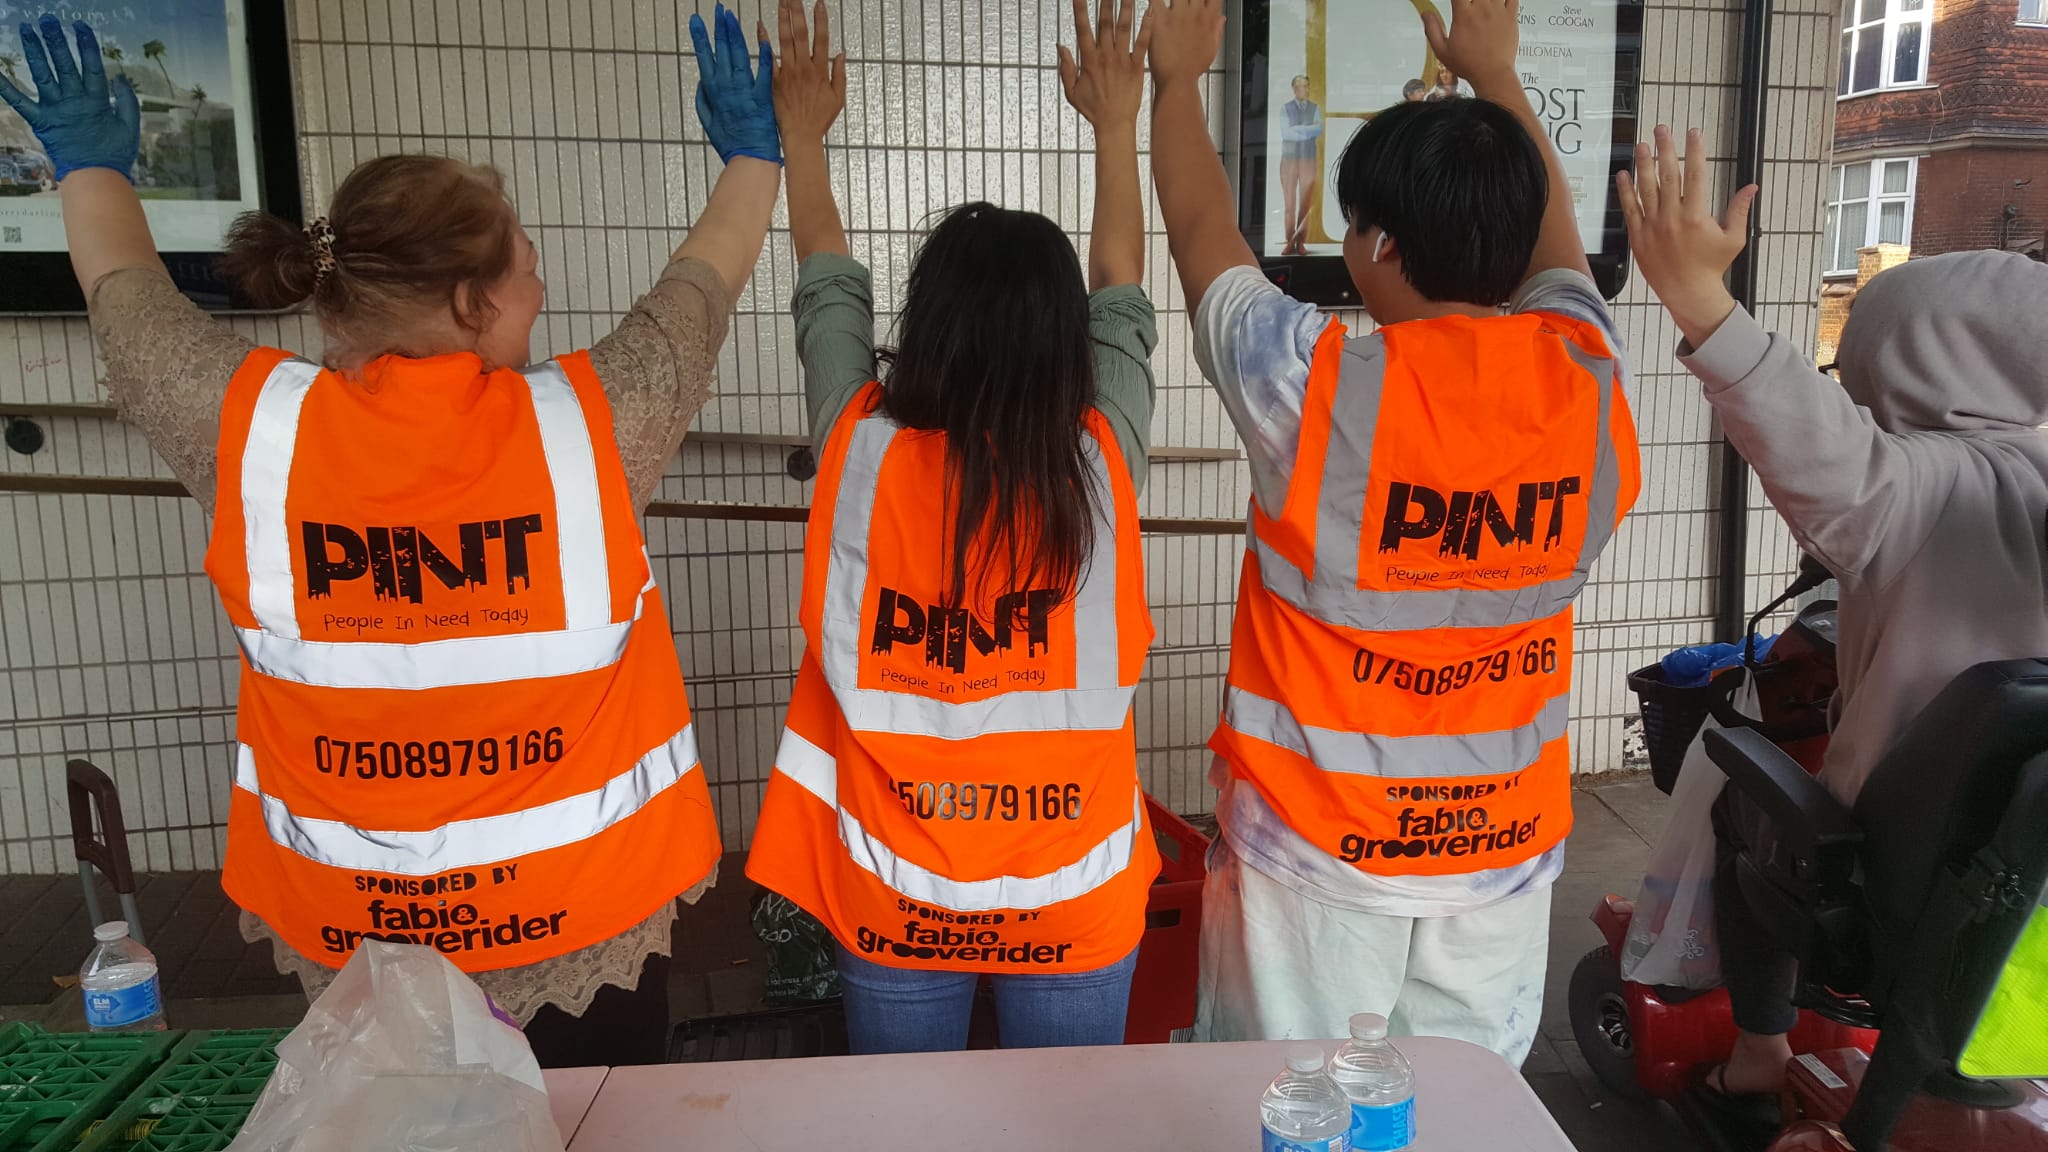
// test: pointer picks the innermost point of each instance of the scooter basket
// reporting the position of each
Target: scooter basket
(1672, 716)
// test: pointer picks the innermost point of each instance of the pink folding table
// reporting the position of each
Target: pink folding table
(1190, 1097)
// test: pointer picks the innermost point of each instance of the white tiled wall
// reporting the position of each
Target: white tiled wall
(111, 646)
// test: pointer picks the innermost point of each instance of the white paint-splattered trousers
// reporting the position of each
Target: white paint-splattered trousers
(1277, 965)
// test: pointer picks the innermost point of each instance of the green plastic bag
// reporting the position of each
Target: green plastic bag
(801, 965)
(2011, 1037)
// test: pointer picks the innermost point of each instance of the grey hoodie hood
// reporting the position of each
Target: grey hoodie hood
(1951, 343)
(1921, 480)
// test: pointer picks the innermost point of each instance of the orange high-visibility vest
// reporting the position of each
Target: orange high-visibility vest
(958, 788)
(461, 721)
(1400, 663)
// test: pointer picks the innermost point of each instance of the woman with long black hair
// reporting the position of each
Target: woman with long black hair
(956, 794)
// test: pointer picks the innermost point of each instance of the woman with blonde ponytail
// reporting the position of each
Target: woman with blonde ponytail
(461, 723)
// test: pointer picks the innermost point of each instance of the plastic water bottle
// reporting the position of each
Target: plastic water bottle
(119, 981)
(1381, 1085)
(1304, 1110)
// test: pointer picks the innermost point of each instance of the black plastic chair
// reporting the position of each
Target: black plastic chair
(86, 788)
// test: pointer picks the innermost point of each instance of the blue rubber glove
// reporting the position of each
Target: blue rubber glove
(80, 124)
(735, 103)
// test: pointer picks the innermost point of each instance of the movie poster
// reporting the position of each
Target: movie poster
(1333, 64)
(188, 60)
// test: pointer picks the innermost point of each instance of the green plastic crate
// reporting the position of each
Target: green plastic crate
(197, 1101)
(53, 1085)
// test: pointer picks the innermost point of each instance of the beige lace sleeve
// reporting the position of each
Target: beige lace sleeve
(168, 367)
(568, 981)
(657, 367)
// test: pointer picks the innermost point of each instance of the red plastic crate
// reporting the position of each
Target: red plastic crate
(1169, 954)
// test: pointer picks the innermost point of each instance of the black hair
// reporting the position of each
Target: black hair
(1413, 86)
(1459, 185)
(994, 351)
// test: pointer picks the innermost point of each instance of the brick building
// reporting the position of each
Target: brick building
(1836, 296)
(1941, 129)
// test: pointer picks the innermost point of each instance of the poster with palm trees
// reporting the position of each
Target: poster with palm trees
(187, 60)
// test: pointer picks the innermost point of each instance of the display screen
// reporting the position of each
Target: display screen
(1316, 71)
(188, 61)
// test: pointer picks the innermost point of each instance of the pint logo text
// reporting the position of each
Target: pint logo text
(395, 557)
(1459, 520)
(947, 632)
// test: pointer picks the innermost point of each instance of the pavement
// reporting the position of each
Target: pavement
(213, 979)
(1615, 820)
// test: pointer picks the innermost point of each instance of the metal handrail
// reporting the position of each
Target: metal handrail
(33, 410)
(667, 509)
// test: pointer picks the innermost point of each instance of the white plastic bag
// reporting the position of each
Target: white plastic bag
(402, 1053)
(1671, 939)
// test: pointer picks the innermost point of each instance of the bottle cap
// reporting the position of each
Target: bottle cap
(111, 931)
(1368, 1026)
(1304, 1059)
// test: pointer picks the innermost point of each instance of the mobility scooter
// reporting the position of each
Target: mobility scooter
(1903, 912)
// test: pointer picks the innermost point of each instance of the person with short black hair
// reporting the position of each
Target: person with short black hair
(1394, 779)
(1414, 90)
(1461, 187)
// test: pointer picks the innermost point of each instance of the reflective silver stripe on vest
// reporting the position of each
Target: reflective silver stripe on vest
(590, 638)
(438, 663)
(480, 841)
(579, 510)
(1097, 701)
(265, 478)
(817, 772)
(1409, 757)
(1333, 595)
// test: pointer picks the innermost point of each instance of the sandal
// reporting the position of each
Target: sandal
(1752, 1119)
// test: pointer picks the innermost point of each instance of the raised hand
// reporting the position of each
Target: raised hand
(1481, 43)
(810, 92)
(1185, 39)
(1679, 245)
(1107, 83)
(735, 103)
(78, 121)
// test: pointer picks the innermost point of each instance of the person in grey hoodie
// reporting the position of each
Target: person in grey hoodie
(1920, 480)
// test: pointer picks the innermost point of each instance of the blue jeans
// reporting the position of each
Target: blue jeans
(914, 1010)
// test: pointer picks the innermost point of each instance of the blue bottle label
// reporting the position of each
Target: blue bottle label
(1274, 1142)
(1383, 1127)
(120, 1007)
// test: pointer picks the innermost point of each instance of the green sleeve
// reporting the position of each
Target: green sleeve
(1124, 330)
(834, 308)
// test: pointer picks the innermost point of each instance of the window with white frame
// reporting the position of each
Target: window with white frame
(1884, 43)
(1868, 203)
(2034, 11)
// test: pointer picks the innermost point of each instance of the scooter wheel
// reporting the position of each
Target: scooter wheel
(1601, 1025)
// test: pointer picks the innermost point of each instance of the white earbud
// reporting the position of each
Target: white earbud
(1378, 242)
